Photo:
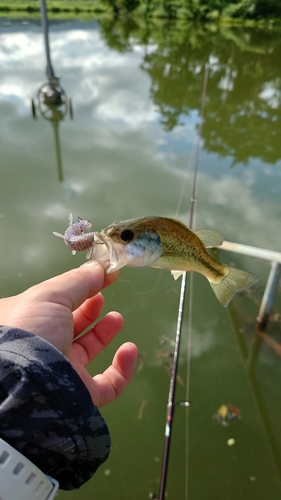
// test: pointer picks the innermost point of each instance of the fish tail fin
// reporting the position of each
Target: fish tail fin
(234, 281)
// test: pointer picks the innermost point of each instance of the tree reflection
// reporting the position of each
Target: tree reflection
(244, 87)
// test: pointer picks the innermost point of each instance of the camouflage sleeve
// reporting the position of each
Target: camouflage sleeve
(46, 411)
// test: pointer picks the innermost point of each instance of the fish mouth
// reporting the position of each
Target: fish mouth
(114, 255)
(107, 254)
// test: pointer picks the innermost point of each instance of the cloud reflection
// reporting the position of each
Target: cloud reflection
(118, 161)
(95, 76)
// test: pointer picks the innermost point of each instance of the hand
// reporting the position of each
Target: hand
(60, 309)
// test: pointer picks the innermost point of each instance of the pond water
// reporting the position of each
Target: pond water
(130, 151)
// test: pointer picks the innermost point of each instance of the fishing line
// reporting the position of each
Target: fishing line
(151, 290)
(191, 278)
(173, 380)
(183, 187)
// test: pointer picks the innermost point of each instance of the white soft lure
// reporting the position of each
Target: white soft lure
(78, 239)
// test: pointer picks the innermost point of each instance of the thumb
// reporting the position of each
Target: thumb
(72, 288)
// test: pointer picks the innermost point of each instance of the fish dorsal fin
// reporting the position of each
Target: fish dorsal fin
(210, 238)
(177, 274)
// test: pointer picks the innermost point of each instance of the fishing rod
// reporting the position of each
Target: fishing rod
(173, 380)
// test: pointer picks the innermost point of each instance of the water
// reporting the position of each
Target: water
(130, 151)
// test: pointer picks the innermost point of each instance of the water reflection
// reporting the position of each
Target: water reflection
(128, 153)
(52, 101)
(245, 90)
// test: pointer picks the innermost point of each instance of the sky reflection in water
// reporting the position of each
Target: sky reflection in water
(127, 153)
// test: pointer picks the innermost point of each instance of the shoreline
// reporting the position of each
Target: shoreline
(84, 9)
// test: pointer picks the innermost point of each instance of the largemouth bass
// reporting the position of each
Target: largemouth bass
(162, 243)
(169, 244)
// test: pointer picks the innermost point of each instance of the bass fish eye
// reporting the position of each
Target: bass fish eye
(127, 235)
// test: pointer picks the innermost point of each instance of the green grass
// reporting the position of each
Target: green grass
(63, 6)
(86, 9)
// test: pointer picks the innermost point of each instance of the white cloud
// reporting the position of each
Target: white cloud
(271, 95)
(108, 83)
(129, 166)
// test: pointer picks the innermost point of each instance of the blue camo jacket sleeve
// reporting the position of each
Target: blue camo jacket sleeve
(46, 411)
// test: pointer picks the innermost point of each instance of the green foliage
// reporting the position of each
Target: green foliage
(250, 9)
(55, 6)
(196, 10)
(244, 86)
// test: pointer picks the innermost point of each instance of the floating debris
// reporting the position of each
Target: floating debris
(141, 410)
(227, 414)
(140, 363)
(230, 442)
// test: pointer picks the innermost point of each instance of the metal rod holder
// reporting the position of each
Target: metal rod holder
(269, 294)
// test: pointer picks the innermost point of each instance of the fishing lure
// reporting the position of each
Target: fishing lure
(77, 236)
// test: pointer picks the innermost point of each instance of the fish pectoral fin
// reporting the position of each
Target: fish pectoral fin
(176, 274)
(210, 238)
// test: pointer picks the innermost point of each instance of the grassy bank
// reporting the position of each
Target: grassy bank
(55, 7)
(261, 13)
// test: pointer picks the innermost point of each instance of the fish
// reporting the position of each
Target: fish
(162, 243)
(166, 243)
